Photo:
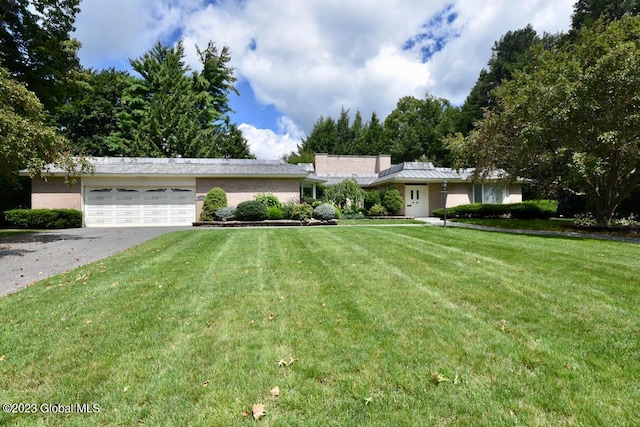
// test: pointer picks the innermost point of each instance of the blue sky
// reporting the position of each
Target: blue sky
(299, 60)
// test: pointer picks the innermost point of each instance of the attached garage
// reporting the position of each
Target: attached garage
(143, 192)
(139, 206)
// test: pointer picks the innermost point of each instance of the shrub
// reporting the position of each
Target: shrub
(251, 210)
(338, 212)
(301, 212)
(225, 214)
(43, 218)
(287, 208)
(324, 212)
(216, 198)
(525, 210)
(269, 200)
(371, 198)
(344, 193)
(377, 210)
(392, 201)
(274, 212)
(351, 212)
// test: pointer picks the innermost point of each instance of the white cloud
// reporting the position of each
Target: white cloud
(311, 58)
(267, 144)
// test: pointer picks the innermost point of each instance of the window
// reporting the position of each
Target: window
(489, 193)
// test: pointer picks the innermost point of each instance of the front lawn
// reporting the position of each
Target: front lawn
(521, 224)
(371, 326)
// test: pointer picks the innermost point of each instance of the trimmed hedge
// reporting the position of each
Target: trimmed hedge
(251, 210)
(392, 201)
(43, 218)
(531, 209)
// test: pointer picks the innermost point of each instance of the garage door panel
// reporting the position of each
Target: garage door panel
(123, 206)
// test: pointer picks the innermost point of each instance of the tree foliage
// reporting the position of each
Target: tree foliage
(26, 141)
(511, 53)
(36, 48)
(345, 193)
(572, 121)
(168, 111)
(91, 117)
(416, 128)
(587, 12)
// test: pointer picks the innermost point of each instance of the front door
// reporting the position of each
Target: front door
(416, 200)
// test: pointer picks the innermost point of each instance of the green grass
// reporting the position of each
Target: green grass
(370, 221)
(522, 224)
(386, 326)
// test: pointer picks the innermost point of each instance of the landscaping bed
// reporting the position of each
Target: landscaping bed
(264, 223)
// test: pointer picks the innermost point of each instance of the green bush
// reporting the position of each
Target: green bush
(216, 198)
(392, 201)
(269, 200)
(531, 209)
(338, 212)
(344, 193)
(324, 212)
(352, 212)
(371, 198)
(227, 213)
(43, 218)
(274, 212)
(377, 210)
(301, 212)
(251, 210)
(287, 208)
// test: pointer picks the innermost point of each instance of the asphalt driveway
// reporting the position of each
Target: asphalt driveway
(28, 258)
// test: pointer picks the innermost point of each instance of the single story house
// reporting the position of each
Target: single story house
(153, 192)
(420, 183)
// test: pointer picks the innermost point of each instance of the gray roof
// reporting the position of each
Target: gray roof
(363, 180)
(421, 172)
(192, 167)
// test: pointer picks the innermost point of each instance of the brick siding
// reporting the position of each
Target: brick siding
(325, 164)
(242, 189)
(54, 193)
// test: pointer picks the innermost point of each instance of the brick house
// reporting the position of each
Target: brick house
(153, 192)
(420, 183)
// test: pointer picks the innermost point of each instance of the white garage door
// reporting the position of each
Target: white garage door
(139, 206)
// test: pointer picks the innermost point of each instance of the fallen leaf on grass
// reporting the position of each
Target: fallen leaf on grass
(275, 391)
(439, 378)
(258, 410)
(2, 357)
(283, 362)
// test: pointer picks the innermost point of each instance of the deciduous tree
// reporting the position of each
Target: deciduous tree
(26, 141)
(573, 121)
(36, 47)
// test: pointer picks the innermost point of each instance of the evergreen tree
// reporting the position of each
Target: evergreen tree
(512, 52)
(586, 12)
